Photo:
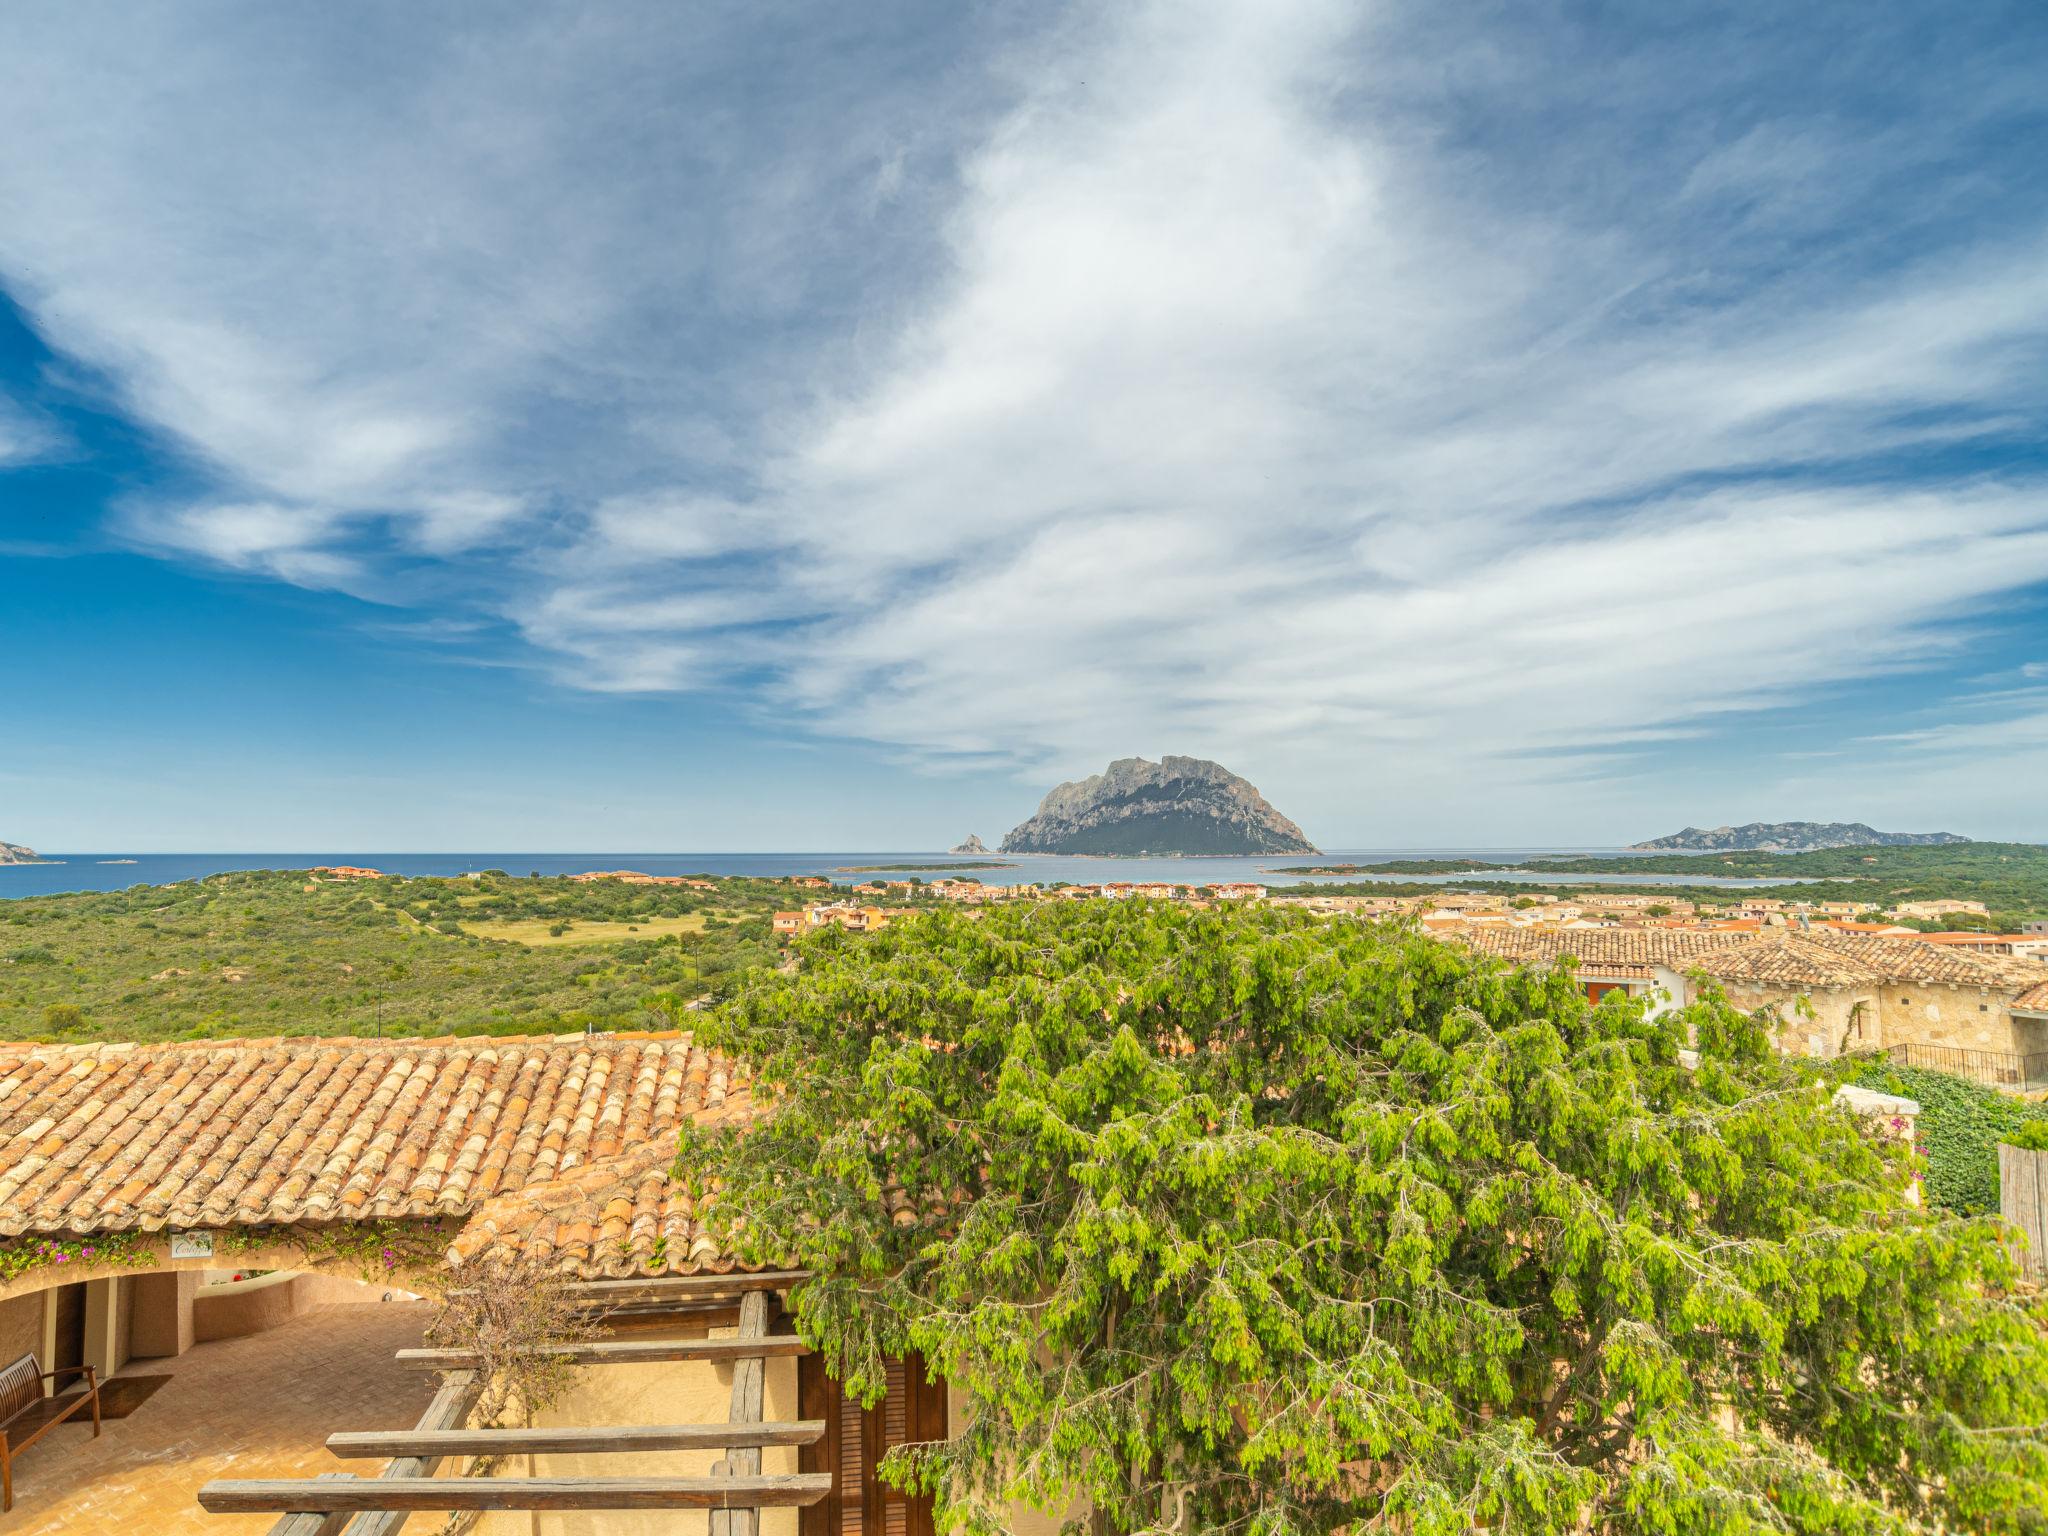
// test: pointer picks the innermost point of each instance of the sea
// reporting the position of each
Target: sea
(65, 872)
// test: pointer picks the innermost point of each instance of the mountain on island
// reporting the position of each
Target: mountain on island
(1180, 805)
(1792, 837)
(14, 853)
(974, 844)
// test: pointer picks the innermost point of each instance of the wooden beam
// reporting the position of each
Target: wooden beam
(737, 1283)
(682, 1287)
(624, 1352)
(745, 1462)
(321, 1523)
(449, 1408)
(411, 1494)
(434, 1444)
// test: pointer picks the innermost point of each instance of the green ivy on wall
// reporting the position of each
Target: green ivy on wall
(1961, 1124)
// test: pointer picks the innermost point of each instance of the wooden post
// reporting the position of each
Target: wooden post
(2023, 1202)
(748, 1377)
(315, 1524)
(451, 1405)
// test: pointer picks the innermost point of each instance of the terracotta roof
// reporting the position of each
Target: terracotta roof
(1901, 959)
(1673, 948)
(608, 1220)
(1791, 956)
(1788, 959)
(104, 1138)
(2033, 997)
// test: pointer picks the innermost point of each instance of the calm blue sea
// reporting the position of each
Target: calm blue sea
(116, 871)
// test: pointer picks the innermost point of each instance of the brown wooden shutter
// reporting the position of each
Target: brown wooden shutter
(854, 1442)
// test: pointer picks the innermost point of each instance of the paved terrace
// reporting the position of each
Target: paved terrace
(261, 1406)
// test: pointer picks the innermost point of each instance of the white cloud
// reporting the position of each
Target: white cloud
(24, 438)
(1223, 402)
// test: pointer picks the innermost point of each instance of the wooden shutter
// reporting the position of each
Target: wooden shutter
(854, 1442)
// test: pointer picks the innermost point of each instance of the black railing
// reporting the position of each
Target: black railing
(2014, 1071)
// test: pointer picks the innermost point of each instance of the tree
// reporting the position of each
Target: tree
(1234, 1221)
(61, 1018)
(512, 1313)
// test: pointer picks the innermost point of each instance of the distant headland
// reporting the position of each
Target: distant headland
(1791, 837)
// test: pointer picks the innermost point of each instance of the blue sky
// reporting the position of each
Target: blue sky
(619, 426)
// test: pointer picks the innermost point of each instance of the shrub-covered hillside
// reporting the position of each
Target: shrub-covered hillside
(267, 953)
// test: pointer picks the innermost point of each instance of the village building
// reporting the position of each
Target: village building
(1944, 908)
(162, 1171)
(1930, 1004)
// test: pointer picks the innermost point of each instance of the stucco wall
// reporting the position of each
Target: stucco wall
(283, 1256)
(676, 1392)
(160, 1326)
(21, 1328)
(242, 1307)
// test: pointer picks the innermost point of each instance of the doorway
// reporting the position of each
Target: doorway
(68, 1340)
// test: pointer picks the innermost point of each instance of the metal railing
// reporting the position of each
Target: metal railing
(2014, 1071)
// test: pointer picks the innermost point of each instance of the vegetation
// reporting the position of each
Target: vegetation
(946, 868)
(1233, 1221)
(280, 953)
(514, 1314)
(2009, 878)
(1960, 1126)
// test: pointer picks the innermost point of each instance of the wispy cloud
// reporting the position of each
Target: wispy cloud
(1218, 376)
(24, 437)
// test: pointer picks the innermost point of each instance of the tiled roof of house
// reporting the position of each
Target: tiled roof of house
(608, 1220)
(1670, 947)
(1790, 959)
(2033, 997)
(1901, 959)
(1789, 956)
(104, 1138)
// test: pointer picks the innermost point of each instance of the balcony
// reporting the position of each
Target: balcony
(2010, 1070)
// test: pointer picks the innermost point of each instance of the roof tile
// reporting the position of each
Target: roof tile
(97, 1138)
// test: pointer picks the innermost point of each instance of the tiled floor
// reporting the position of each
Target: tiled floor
(254, 1407)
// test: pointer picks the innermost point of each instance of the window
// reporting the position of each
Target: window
(853, 1445)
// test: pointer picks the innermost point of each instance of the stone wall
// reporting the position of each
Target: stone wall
(1970, 1017)
(1843, 1018)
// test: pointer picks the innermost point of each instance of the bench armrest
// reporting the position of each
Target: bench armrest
(70, 1370)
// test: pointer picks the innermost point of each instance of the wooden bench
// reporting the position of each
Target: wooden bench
(26, 1415)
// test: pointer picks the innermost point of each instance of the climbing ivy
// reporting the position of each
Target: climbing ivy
(24, 1255)
(1960, 1126)
(409, 1253)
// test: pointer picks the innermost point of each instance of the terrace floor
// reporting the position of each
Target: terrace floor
(261, 1406)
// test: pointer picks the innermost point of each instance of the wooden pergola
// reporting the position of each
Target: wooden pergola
(342, 1504)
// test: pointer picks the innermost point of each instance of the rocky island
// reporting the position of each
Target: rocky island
(974, 844)
(1791, 837)
(14, 853)
(1178, 806)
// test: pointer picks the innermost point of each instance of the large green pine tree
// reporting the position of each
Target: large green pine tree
(1252, 1222)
